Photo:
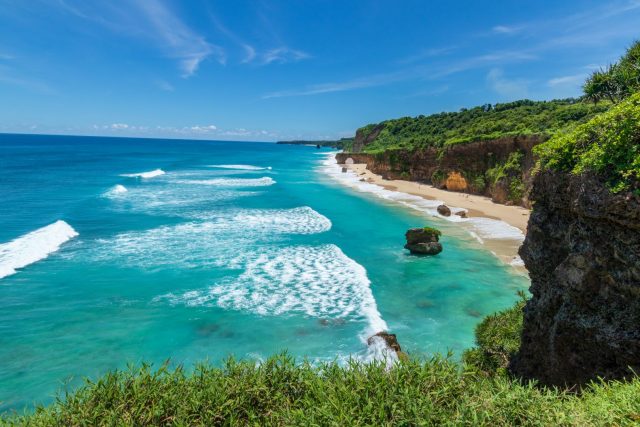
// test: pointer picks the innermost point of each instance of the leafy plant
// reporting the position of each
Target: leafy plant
(608, 145)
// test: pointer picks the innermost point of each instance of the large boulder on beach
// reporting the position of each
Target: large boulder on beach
(444, 210)
(423, 241)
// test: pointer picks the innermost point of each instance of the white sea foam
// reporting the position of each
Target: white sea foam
(33, 246)
(317, 281)
(488, 228)
(232, 182)
(302, 220)
(210, 242)
(240, 167)
(116, 191)
(517, 261)
(146, 175)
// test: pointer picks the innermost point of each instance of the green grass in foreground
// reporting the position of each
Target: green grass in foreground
(282, 391)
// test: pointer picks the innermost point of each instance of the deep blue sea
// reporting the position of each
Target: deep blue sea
(116, 251)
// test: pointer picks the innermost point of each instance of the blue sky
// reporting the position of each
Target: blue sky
(269, 70)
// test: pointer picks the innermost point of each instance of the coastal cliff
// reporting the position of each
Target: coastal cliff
(498, 168)
(582, 251)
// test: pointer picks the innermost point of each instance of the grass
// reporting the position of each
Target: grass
(282, 391)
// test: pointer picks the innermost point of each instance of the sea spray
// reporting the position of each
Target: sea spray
(145, 175)
(33, 246)
(240, 167)
(232, 182)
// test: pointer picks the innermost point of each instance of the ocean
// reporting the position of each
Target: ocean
(117, 251)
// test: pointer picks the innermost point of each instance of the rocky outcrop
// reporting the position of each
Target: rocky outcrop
(390, 340)
(362, 139)
(582, 251)
(424, 241)
(462, 167)
(444, 210)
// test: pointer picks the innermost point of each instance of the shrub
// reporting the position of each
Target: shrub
(608, 145)
(497, 339)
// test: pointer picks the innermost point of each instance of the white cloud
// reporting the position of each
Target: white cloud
(250, 53)
(573, 80)
(508, 88)
(504, 29)
(164, 85)
(283, 55)
(119, 126)
(178, 39)
(203, 129)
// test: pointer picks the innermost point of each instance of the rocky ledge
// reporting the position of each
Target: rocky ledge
(582, 251)
(423, 241)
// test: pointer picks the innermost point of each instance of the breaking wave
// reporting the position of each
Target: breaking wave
(115, 191)
(232, 182)
(241, 167)
(33, 247)
(316, 281)
(149, 174)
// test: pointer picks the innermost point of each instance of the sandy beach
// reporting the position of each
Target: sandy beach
(476, 206)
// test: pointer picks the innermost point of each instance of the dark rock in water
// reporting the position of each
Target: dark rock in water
(362, 180)
(444, 210)
(425, 303)
(461, 214)
(423, 241)
(344, 170)
(318, 146)
(429, 248)
(582, 251)
(473, 313)
(389, 339)
(422, 235)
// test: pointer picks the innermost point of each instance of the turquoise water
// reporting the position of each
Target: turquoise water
(237, 248)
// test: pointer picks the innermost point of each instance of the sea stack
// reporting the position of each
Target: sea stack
(423, 241)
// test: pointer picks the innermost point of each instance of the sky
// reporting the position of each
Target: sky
(274, 70)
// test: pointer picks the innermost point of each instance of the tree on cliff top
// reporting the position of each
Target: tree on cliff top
(618, 80)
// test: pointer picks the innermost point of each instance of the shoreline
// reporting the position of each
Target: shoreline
(474, 205)
(498, 228)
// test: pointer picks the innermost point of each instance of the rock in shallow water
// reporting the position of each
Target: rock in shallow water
(429, 248)
(444, 210)
(423, 241)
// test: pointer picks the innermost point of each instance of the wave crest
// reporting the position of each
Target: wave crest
(232, 182)
(240, 167)
(145, 175)
(33, 246)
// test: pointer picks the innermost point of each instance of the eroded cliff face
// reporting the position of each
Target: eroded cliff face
(476, 168)
(582, 251)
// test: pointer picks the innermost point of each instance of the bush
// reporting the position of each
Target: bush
(497, 340)
(480, 123)
(608, 145)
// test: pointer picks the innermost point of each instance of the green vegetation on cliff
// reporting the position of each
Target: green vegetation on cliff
(281, 391)
(485, 122)
(618, 80)
(342, 143)
(608, 145)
